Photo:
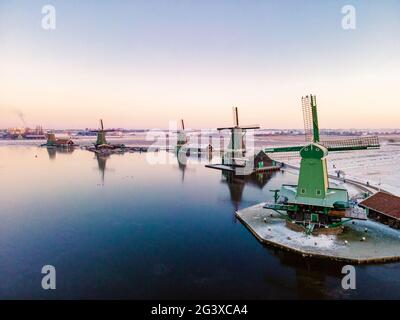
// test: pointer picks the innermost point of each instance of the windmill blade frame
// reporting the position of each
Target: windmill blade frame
(360, 143)
(251, 126)
(307, 118)
(235, 117)
(248, 127)
(225, 128)
(102, 130)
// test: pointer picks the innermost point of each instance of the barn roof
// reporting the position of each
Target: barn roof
(383, 203)
(260, 154)
(64, 141)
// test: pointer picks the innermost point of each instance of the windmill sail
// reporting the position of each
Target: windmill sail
(310, 116)
(307, 117)
(251, 126)
(361, 143)
(352, 144)
(235, 117)
(309, 106)
(236, 123)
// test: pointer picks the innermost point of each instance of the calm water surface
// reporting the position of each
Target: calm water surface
(119, 227)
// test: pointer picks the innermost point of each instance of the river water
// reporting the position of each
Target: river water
(122, 227)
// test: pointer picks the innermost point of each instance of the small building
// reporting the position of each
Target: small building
(52, 141)
(61, 142)
(241, 165)
(262, 162)
(384, 208)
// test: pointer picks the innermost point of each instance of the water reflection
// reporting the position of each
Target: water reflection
(236, 184)
(183, 229)
(310, 282)
(52, 152)
(185, 156)
(182, 167)
(307, 281)
(102, 162)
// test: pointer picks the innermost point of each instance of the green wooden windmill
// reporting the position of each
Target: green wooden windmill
(101, 135)
(312, 203)
(101, 142)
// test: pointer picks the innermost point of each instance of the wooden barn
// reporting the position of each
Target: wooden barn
(384, 208)
(262, 162)
(257, 163)
(52, 141)
(64, 142)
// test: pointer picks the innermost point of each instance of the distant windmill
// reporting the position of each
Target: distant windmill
(182, 138)
(237, 147)
(101, 135)
(238, 132)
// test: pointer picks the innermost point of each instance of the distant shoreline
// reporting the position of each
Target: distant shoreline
(140, 139)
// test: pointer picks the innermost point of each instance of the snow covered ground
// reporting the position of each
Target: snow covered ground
(379, 167)
(363, 241)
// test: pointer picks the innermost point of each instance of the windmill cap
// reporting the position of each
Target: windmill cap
(314, 151)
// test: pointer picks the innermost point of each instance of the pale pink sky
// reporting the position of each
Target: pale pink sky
(143, 67)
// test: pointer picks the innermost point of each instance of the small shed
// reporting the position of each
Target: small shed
(64, 142)
(384, 208)
(262, 162)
